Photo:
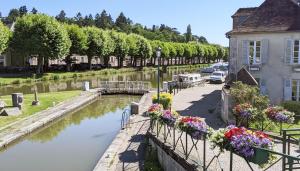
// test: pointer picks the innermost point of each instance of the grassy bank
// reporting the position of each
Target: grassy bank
(9, 80)
(46, 100)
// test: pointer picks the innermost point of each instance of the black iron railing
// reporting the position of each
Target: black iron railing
(195, 150)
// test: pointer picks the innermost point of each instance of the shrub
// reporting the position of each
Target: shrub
(45, 78)
(64, 77)
(75, 75)
(56, 77)
(293, 106)
(165, 99)
(29, 80)
(16, 82)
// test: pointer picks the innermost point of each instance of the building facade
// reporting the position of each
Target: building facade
(265, 41)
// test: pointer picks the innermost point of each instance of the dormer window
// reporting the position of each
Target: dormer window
(255, 52)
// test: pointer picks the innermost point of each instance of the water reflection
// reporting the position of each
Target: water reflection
(76, 84)
(74, 143)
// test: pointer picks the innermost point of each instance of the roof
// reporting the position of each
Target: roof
(271, 16)
(244, 11)
(244, 76)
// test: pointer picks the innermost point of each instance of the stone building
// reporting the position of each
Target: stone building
(265, 40)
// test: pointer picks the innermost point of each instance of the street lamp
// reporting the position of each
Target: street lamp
(158, 53)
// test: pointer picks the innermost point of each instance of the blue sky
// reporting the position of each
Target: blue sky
(210, 18)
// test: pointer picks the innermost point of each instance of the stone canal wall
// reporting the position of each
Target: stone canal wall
(116, 156)
(19, 129)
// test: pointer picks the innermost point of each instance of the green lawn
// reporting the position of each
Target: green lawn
(46, 101)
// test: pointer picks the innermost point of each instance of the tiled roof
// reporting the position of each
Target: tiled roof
(244, 11)
(271, 16)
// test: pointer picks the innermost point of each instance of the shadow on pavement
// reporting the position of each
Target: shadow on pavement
(207, 108)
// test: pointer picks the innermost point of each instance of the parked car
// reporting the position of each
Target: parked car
(217, 77)
(208, 70)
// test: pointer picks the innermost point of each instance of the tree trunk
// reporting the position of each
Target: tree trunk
(90, 62)
(40, 65)
(106, 61)
(68, 63)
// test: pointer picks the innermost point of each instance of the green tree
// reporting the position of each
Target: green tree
(40, 35)
(104, 20)
(121, 47)
(4, 37)
(23, 10)
(79, 43)
(34, 11)
(99, 44)
(188, 35)
(61, 16)
(12, 16)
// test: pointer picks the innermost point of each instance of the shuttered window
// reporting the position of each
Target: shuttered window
(296, 90)
(296, 53)
(254, 52)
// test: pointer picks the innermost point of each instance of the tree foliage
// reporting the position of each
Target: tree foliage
(42, 36)
(4, 37)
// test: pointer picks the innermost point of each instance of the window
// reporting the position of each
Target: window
(296, 90)
(296, 53)
(254, 52)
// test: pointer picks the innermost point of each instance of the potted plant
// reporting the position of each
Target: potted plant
(194, 126)
(155, 111)
(244, 143)
(279, 114)
(168, 117)
(244, 113)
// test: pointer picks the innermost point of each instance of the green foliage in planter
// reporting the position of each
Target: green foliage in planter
(243, 93)
(292, 106)
(165, 99)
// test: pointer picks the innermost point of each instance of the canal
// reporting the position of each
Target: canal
(74, 143)
(76, 84)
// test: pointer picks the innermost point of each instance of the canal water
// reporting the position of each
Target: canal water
(74, 143)
(76, 84)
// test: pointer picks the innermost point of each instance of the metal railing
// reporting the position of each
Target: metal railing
(195, 150)
(125, 121)
(124, 86)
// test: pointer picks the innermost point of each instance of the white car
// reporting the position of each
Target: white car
(217, 76)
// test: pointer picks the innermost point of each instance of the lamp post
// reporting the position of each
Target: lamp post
(158, 53)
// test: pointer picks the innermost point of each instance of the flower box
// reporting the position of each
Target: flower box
(244, 143)
(194, 126)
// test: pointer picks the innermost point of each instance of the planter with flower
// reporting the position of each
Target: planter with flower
(244, 113)
(165, 99)
(279, 115)
(244, 142)
(168, 117)
(155, 111)
(194, 126)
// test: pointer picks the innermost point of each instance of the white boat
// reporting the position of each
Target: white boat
(188, 80)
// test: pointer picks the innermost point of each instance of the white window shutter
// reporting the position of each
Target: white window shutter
(287, 89)
(263, 87)
(265, 51)
(245, 52)
(289, 51)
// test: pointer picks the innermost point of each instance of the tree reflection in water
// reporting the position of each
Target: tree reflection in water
(94, 110)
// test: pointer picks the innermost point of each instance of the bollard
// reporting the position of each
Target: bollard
(17, 100)
(134, 108)
(86, 86)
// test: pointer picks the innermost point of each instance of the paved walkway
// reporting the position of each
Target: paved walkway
(202, 102)
(126, 153)
(205, 102)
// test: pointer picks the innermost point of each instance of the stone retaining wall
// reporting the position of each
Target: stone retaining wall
(168, 159)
